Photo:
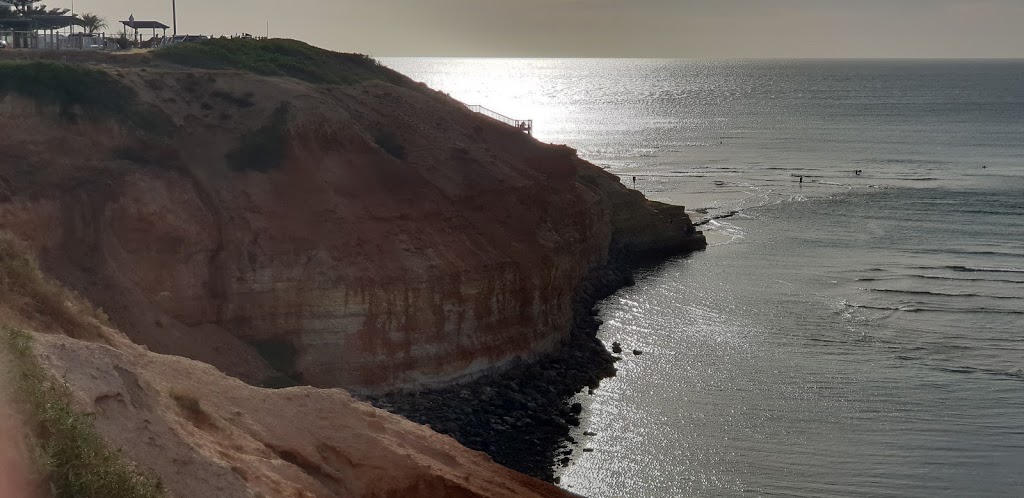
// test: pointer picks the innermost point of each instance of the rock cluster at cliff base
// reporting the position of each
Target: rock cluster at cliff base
(521, 417)
(397, 239)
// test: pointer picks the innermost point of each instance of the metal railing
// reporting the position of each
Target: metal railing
(56, 41)
(521, 124)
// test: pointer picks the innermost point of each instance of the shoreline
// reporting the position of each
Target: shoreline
(522, 416)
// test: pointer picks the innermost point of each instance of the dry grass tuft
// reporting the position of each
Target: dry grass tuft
(26, 291)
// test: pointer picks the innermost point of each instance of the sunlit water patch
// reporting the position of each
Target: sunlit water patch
(856, 327)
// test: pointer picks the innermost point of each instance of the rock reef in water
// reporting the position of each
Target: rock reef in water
(375, 235)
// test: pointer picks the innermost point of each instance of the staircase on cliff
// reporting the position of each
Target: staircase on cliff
(525, 125)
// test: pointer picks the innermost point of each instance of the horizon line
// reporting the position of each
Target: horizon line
(817, 58)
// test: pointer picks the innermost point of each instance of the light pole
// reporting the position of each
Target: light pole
(174, 16)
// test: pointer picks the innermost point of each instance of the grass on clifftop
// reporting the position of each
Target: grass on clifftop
(66, 86)
(280, 57)
(74, 459)
(69, 87)
(25, 289)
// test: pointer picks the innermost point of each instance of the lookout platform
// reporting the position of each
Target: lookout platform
(525, 125)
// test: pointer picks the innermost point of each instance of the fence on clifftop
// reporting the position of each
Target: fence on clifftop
(522, 124)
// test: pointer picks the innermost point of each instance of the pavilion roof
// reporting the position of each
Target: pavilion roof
(39, 22)
(145, 24)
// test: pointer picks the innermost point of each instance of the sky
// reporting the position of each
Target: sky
(607, 28)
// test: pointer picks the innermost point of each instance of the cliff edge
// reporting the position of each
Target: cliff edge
(266, 214)
(182, 428)
(369, 235)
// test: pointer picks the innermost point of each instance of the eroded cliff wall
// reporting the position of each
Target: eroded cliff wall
(369, 236)
(197, 431)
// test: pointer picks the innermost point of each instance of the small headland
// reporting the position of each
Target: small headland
(522, 417)
(255, 214)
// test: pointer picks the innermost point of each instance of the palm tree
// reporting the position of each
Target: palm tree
(93, 23)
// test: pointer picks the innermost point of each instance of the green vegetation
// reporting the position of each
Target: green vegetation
(262, 149)
(73, 456)
(68, 451)
(23, 287)
(93, 23)
(95, 92)
(279, 57)
(67, 86)
(28, 8)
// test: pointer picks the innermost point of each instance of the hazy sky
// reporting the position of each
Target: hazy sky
(609, 28)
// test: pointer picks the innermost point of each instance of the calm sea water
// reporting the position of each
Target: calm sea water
(853, 335)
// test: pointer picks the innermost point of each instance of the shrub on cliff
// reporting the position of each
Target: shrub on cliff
(72, 88)
(279, 57)
(24, 289)
(70, 453)
(262, 149)
(67, 86)
(71, 456)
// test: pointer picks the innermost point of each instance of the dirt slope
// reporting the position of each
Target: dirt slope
(205, 434)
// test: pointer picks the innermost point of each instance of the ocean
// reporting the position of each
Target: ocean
(856, 327)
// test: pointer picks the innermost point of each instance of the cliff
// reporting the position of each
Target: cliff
(197, 431)
(266, 214)
(369, 235)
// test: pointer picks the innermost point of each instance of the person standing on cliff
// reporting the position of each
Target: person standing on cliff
(634, 183)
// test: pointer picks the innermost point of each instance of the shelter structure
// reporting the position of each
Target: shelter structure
(31, 31)
(136, 25)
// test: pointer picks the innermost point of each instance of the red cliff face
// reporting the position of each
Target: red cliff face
(372, 237)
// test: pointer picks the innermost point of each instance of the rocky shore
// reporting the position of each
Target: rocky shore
(346, 229)
(522, 417)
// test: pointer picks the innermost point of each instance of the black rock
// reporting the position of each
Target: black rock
(637, 352)
(616, 348)
(522, 417)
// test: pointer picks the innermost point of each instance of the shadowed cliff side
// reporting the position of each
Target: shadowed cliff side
(522, 416)
(372, 234)
(295, 217)
(187, 429)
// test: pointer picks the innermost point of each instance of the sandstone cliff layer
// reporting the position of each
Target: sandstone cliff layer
(369, 236)
(198, 431)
